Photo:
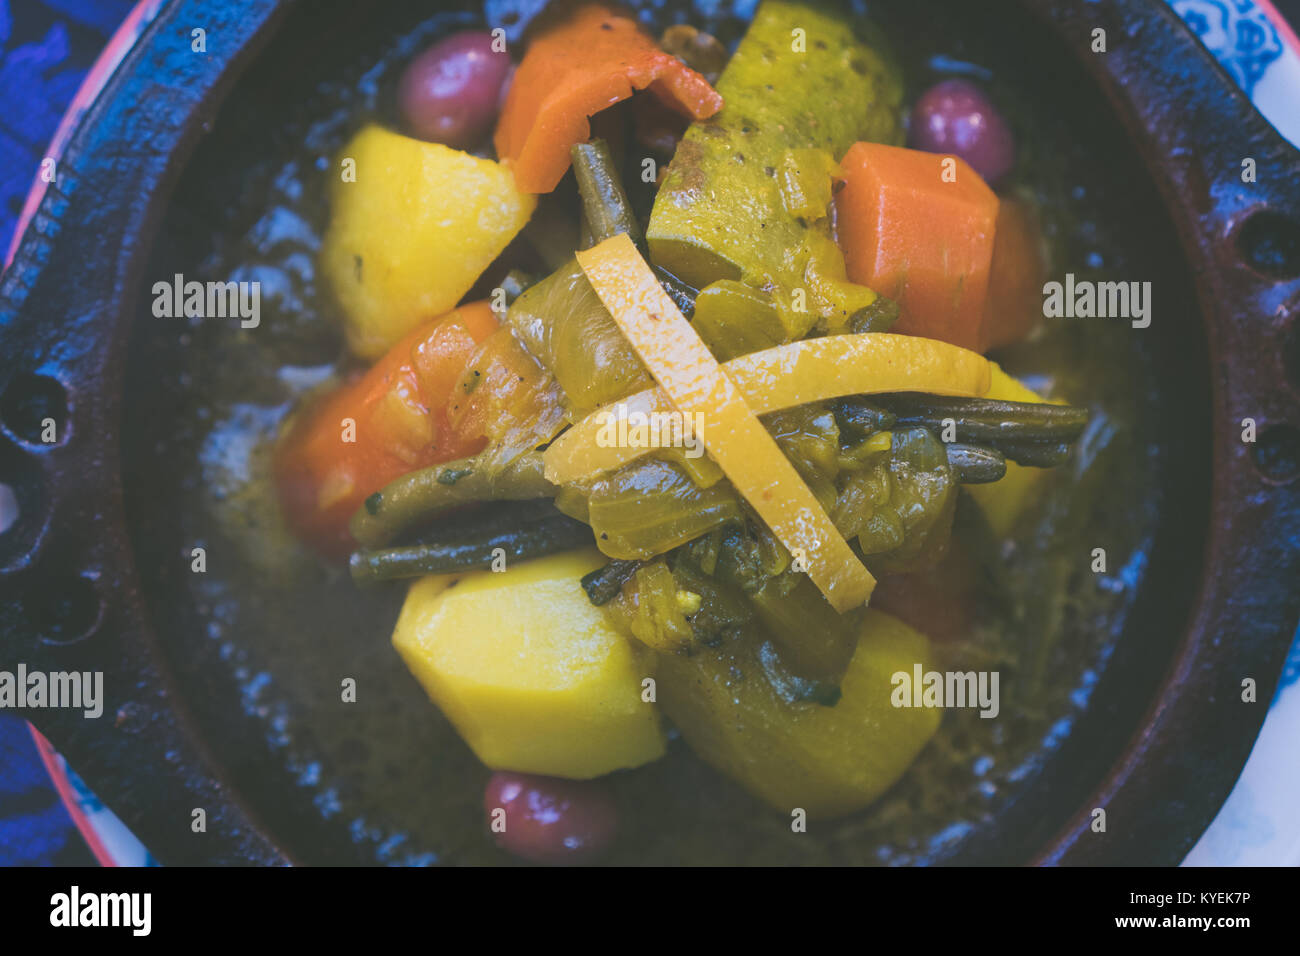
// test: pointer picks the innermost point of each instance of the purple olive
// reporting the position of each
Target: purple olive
(449, 93)
(956, 117)
(549, 820)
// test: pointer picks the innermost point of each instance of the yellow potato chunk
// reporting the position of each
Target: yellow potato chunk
(1005, 500)
(829, 761)
(414, 231)
(528, 671)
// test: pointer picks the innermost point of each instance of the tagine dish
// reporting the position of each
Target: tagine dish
(652, 440)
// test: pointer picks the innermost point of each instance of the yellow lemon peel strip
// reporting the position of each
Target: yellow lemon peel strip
(732, 434)
(813, 370)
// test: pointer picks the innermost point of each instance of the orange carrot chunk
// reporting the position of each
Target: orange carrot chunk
(578, 66)
(1019, 269)
(391, 420)
(919, 228)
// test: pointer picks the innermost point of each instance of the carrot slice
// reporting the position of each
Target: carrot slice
(918, 228)
(732, 434)
(578, 66)
(797, 373)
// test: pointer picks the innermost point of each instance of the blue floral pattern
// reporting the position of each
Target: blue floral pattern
(1238, 34)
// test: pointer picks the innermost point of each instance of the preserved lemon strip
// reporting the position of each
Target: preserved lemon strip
(812, 370)
(736, 440)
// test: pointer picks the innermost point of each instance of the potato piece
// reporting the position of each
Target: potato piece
(413, 233)
(1005, 500)
(530, 673)
(830, 761)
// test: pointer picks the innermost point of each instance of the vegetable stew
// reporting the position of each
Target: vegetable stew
(861, 452)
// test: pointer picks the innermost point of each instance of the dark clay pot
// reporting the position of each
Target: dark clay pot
(1220, 604)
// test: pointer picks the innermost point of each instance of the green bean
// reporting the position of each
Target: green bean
(863, 418)
(982, 420)
(880, 316)
(470, 552)
(417, 496)
(606, 212)
(975, 464)
(603, 584)
(604, 203)
(1034, 454)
